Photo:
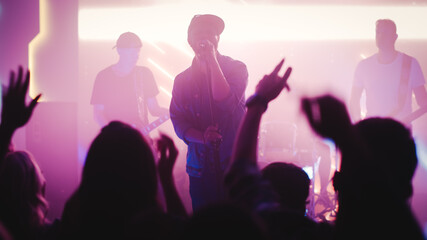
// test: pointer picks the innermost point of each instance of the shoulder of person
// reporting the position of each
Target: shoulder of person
(183, 76)
(367, 62)
(228, 60)
(413, 59)
(143, 70)
(108, 71)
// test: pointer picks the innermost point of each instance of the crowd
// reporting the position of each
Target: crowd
(118, 194)
(127, 189)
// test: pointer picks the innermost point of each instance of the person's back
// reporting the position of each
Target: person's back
(223, 221)
(119, 182)
(378, 160)
(387, 192)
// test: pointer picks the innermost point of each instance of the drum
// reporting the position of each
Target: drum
(277, 142)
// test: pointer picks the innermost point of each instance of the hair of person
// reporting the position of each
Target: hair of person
(290, 182)
(119, 176)
(393, 151)
(23, 207)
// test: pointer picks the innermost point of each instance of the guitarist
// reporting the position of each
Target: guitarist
(388, 78)
(125, 91)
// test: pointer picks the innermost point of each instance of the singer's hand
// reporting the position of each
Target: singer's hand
(212, 135)
(206, 51)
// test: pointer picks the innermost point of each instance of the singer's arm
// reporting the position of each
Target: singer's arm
(219, 84)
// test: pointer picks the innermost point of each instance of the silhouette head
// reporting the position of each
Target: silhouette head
(128, 47)
(393, 152)
(119, 174)
(385, 34)
(290, 182)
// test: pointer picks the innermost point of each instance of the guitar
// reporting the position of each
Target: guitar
(414, 115)
(153, 125)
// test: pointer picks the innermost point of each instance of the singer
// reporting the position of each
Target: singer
(206, 108)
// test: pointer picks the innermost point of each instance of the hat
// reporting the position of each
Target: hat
(207, 21)
(128, 40)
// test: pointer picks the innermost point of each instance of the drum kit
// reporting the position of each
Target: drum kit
(281, 141)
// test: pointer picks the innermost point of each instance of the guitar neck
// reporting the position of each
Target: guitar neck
(155, 124)
(414, 115)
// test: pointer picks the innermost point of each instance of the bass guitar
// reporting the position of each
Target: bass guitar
(414, 115)
(153, 125)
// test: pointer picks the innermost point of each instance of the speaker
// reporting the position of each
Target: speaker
(51, 137)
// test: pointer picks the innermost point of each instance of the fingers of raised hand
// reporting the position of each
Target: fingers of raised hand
(286, 77)
(277, 68)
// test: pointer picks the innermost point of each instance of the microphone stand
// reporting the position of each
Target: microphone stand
(216, 145)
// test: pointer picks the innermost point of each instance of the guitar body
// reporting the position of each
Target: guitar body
(153, 125)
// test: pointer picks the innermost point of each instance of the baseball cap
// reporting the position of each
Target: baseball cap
(206, 21)
(128, 40)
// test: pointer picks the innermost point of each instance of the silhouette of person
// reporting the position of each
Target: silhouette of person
(125, 91)
(119, 183)
(388, 78)
(291, 184)
(375, 177)
(206, 108)
(223, 221)
(278, 193)
(23, 207)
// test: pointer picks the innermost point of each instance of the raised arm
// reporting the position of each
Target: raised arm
(328, 117)
(168, 155)
(243, 164)
(15, 113)
(245, 146)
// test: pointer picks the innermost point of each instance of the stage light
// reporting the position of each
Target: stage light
(183, 49)
(160, 68)
(166, 91)
(35, 44)
(156, 47)
(253, 23)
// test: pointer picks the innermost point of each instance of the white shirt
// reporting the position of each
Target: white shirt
(381, 83)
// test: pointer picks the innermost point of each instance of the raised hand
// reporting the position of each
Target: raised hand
(16, 113)
(168, 155)
(271, 85)
(327, 116)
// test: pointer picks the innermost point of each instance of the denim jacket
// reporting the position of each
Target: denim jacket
(191, 108)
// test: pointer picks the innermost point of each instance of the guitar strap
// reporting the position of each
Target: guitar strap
(139, 96)
(404, 84)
